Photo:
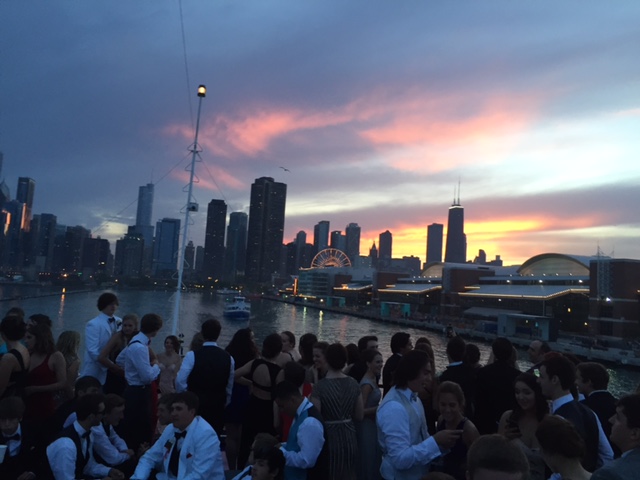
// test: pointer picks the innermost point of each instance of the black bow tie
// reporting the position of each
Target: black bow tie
(111, 320)
(15, 436)
(181, 434)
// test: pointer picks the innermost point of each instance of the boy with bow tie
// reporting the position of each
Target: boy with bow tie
(21, 455)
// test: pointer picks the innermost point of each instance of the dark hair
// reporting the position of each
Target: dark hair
(294, 373)
(353, 354)
(107, 299)
(544, 347)
(150, 323)
(399, 340)
(454, 389)
(290, 336)
(15, 312)
(409, 367)
(274, 458)
(423, 340)
(272, 345)
(426, 347)
(363, 341)
(11, 407)
(595, 373)
(38, 318)
(190, 399)
(455, 348)
(112, 401)
(167, 399)
(211, 330)
(265, 440)
(561, 367)
(369, 354)
(502, 349)
(322, 346)
(495, 452)
(85, 383)
(285, 390)
(558, 436)
(541, 405)
(175, 342)
(471, 354)
(88, 404)
(630, 405)
(242, 347)
(196, 342)
(336, 356)
(305, 347)
(44, 339)
(13, 327)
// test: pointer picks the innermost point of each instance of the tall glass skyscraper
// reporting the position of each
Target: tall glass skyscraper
(352, 233)
(434, 242)
(236, 251)
(214, 239)
(166, 246)
(456, 251)
(321, 235)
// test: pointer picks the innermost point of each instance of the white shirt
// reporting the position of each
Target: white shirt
(393, 421)
(96, 335)
(13, 446)
(310, 439)
(605, 453)
(187, 366)
(62, 455)
(110, 447)
(134, 358)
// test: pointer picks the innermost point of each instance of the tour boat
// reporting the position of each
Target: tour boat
(239, 308)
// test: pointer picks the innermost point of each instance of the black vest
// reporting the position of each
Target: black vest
(81, 461)
(584, 420)
(209, 379)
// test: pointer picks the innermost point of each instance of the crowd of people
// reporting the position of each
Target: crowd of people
(314, 410)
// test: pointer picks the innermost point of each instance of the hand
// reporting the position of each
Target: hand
(129, 452)
(116, 474)
(447, 438)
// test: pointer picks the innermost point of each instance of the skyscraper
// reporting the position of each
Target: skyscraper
(144, 214)
(165, 246)
(266, 228)
(25, 193)
(321, 235)
(385, 242)
(338, 240)
(236, 251)
(352, 233)
(456, 251)
(434, 242)
(214, 239)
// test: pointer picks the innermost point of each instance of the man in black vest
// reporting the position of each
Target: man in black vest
(460, 373)
(71, 455)
(592, 380)
(209, 374)
(557, 375)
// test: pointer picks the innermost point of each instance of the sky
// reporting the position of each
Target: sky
(378, 109)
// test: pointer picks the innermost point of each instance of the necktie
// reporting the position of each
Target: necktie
(174, 459)
(87, 438)
(15, 436)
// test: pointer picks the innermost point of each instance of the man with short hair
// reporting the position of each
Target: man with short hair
(557, 376)
(305, 453)
(209, 374)
(22, 457)
(592, 380)
(109, 448)
(71, 455)
(400, 345)
(65, 415)
(359, 368)
(493, 457)
(537, 350)
(625, 433)
(188, 451)
(97, 333)
(459, 372)
(407, 448)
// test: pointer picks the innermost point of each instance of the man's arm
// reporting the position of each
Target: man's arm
(138, 356)
(605, 452)
(102, 446)
(310, 441)
(61, 455)
(184, 372)
(206, 462)
(92, 340)
(152, 457)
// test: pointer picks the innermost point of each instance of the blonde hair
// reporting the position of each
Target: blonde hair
(68, 343)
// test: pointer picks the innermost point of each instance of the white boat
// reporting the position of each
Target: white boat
(239, 308)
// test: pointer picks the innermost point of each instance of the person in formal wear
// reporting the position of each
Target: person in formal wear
(96, 335)
(189, 450)
(139, 372)
(305, 453)
(400, 345)
(625, 434)
(14, 365)
(68, 344)
(115, 382)
(169, 362)
(109, 448)
(407, 447)
(459, 372)
(592, 380)
(492, 457)
(494, 387)
(562, 448)
(359, 368)
(289, 346)
(305, 349)
(557, 376)
(71, 455)
(22, 459)
(209, 373)
(319, 368)
(369, 453)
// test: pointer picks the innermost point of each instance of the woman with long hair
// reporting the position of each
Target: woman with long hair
(47, 373)
(68, 344)
(115, 382)
(14, 365)
(369, 453)
(243, 349)
(519, 425)
(169, 362)
(305, 348)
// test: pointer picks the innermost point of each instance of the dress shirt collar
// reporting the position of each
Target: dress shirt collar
(17, 432)
(305, 405)
(408, 393)
(558, 402)
(142, 338)
(209, 344)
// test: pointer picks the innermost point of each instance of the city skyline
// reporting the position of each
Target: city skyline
(369, 112)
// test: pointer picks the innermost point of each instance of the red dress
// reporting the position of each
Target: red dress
(41, 405)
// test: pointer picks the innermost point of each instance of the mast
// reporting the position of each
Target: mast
(191, 206)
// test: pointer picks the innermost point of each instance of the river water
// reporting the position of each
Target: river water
(71, 310)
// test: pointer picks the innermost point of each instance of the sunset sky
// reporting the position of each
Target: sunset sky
(377, 108)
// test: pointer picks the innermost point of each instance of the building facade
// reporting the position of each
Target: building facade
(214, 239)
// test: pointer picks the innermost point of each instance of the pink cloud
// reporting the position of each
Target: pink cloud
(222, 178)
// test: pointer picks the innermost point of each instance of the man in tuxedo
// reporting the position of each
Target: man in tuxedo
(592, 380)
(188, 450)
(625, 433)
(22, 458)
(96, 335)
(459, 372)
(400, 345)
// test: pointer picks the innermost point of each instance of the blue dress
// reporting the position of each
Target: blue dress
(369, 452)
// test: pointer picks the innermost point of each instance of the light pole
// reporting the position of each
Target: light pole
(191, 206)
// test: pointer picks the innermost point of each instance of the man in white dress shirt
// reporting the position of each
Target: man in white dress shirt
(188, 451)
(108, 447)
(407, 448)
(96, 335)
(71, 455)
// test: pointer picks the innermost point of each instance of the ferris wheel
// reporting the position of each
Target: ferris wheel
(330, 257)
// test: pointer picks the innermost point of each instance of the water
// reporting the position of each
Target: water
(70, 311)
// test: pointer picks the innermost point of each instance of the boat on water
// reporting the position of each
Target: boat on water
(226, 291)
(238, 308)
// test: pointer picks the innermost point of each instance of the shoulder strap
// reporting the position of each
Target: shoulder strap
(18, 356)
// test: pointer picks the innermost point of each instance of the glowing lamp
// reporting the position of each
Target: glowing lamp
(202, 91)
